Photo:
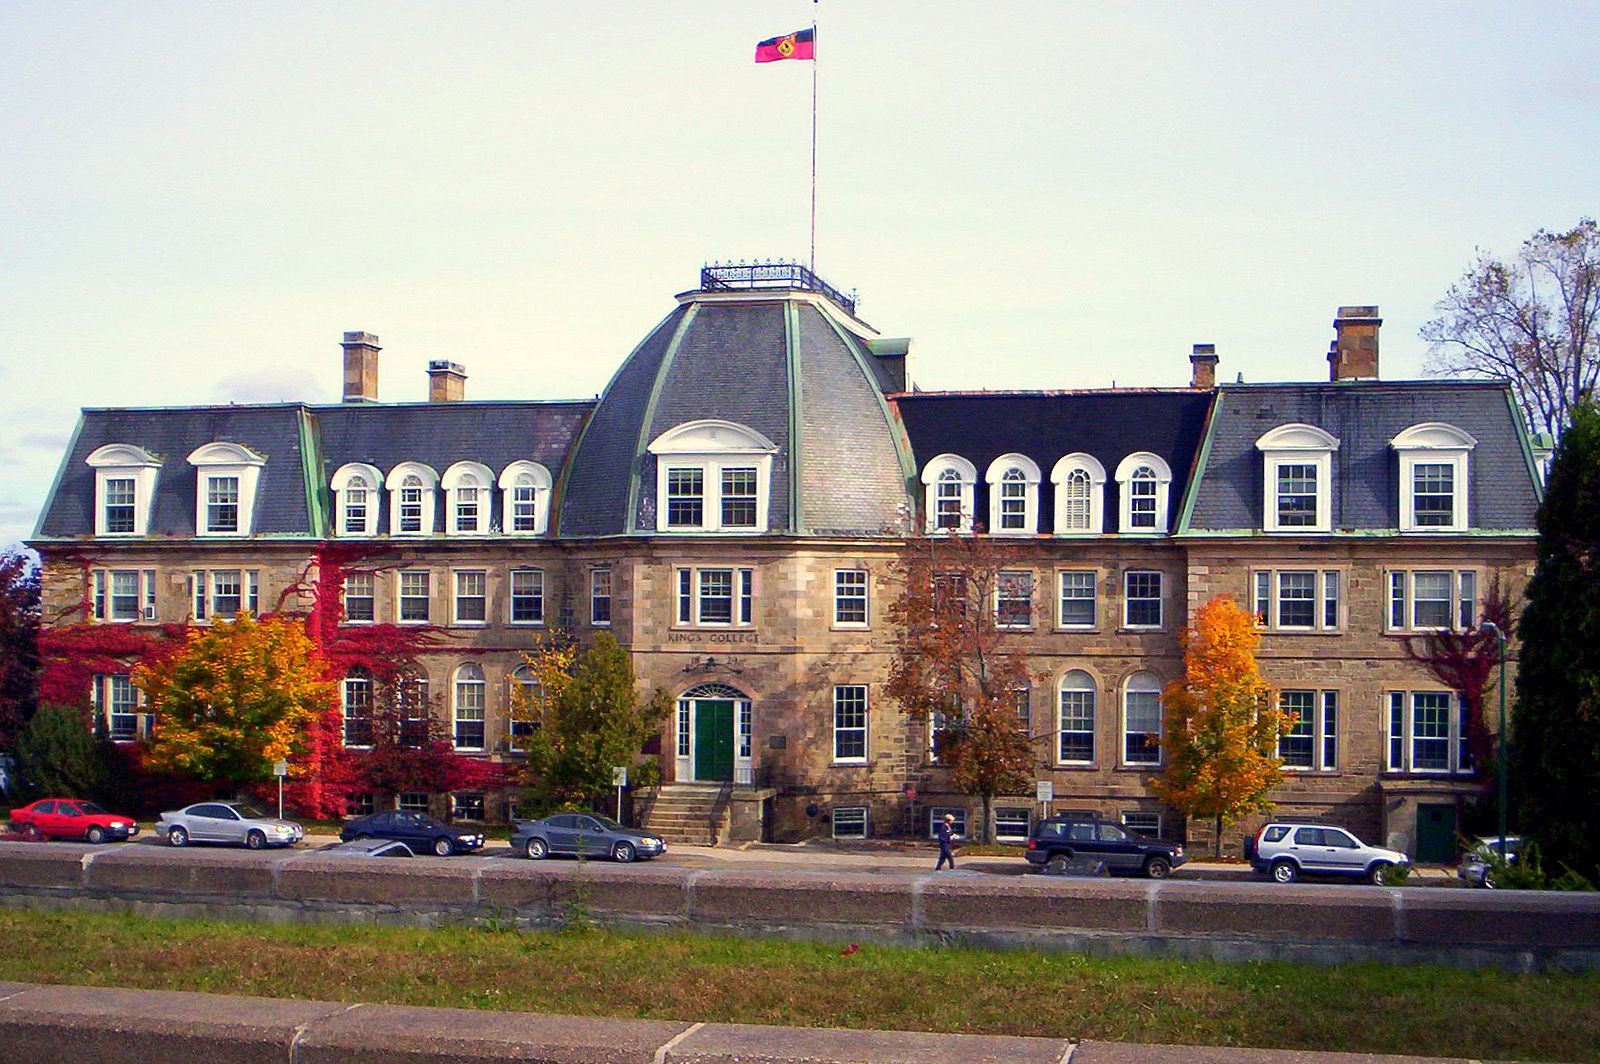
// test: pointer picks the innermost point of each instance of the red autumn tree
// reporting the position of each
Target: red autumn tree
(19, 643)
(1466, 662)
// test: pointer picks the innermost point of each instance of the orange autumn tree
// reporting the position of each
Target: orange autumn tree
(1222, 722)
(237, 696)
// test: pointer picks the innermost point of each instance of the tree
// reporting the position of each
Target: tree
(586, 719)
(1534, 321)
(956, 663)
(59, 755)
(1222, 722)
(1555, 750)
(19, 643)
(236, 697)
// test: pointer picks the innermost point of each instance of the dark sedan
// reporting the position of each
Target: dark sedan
(584, 835)
(419, 831)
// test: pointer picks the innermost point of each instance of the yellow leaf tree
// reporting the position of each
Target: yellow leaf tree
(1223, 722)
(237, 696)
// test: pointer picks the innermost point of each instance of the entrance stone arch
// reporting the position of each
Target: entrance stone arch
(713, 735)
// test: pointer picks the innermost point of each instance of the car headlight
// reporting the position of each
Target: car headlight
(650, 841)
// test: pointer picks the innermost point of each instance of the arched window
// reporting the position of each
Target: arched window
(412, 488)
(948, 482)
(356, 705)
(525, 489)
(1075, 744)
(1433, 477)
(1141, 719)
(469, 707)
(1013, 495)
(355, 500)
(527, 701)
(712, 476)
(1080, 482)
(124, 485)
(1143, 480)
(466, 486)
(1297, 472)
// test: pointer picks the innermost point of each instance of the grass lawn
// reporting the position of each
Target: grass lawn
(1355, 1008)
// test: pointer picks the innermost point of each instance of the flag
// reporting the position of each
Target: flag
(801, 44)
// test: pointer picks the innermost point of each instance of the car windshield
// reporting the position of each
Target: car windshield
(247, 812)
(90, 809)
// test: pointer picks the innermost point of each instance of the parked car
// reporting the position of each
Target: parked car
(71, 818)
(1285, 849)
(1475, 869)
(229, 822)
(584, 835)
(421, 832)
(361, 848)
(1120, 850)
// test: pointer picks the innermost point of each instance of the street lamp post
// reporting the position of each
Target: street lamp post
(1500, 747)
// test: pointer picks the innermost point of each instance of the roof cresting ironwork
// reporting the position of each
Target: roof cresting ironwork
(771, 275)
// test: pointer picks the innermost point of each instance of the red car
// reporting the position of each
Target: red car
(71, 818)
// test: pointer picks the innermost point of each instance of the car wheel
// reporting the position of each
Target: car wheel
(1378, 873)
(444, 846)
(1284, 872)
(537, 849)
(1157, 868)
(178, 837)
(31, 832)
(1488, 879)
(96, 834)
(255, 840)
(623, 852)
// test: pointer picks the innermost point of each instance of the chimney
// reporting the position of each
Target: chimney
(1204, 363)
(360, 367)
(447, 381)
(1354, 353)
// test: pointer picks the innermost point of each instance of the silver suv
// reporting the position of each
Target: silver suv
(1284, 849)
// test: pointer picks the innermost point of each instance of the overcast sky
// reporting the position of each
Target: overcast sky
(197, 199)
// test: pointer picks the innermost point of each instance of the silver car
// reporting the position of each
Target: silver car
(228, 822)
(1285, 849)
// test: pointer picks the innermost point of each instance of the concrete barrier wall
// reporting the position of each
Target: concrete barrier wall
(1232, 921)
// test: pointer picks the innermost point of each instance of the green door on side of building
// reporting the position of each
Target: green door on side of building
(1436, 834)
(713, 739)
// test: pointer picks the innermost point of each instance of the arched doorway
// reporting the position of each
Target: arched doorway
(713, 734)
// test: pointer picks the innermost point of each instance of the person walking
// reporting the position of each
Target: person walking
(947, 842)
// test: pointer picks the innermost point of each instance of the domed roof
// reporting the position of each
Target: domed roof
(791, 379)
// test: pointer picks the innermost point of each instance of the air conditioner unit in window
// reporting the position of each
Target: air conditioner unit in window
(148, 613)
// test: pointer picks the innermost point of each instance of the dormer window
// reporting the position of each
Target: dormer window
(466, 486)
(1433, 477)
(525, 487)
(948, 482)
(412, 489)
(712, 476)
(226, 475)
(1143, 480)
(1013, 495)
(355, 500)
(1080, 482)
(124, 484)
(1297, 485)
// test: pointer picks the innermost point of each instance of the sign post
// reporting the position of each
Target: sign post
(619, 780)
(280, 769)
(1046, 794)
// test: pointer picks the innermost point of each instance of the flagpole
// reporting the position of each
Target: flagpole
(814, 61)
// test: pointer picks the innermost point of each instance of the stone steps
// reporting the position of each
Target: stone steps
(686, 813)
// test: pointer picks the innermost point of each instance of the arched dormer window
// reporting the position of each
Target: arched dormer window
(466, 486)
(355, 499)
(712, 476)
(1080, 482)
(225, 490)
(1433, 477)
(1143, 480)
(1013, 495)
(124, 484)
(525, 489)
(412, 490)
(1297, 484)
(948, 482)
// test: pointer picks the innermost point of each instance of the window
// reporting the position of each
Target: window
(850, 822)
(120, 495)
(527, 596)
(117, 701)
(124, 595)
(412, 490)
(359, 805)
(716, 597)
(466, 806)
(414, 596)
(359, 605)
(226, 475)
(1022, 701)
(1433, 599)
(1313, 741)
(1298, 599)
(948, 482)
(1146, 824)
(1297, 464)
(415, 710)
(1142, 599)
(471, 597)
(222, 504)
(356, 705)
(412, 802)
(850, 598)
(850, 723)
(466, 486)
(1013, 602)
(1011, 824)
(1433, 477)
(936, 817)
(600, 597)
(527, 702)
(1143, 480)
(356, 506)
(469, 708)
(739, 497)
(1078, 596)
(224, 592)
(1013, 495)
(686, 498)
(1427, 733)
(1080, 482)
(355, 499)
(712, 476)
(525, 488)
(1075, 744)
(1141, 720)
(124, 484)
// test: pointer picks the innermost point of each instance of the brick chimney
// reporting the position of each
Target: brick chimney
(1203, 373)
(1354, 353)
(360, 367)
(447, 381)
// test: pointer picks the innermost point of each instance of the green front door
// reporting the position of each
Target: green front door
(713, 739)
(1436, 834)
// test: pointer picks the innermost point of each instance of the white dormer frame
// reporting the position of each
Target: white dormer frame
(1019, 474)
(949, 478)
(525, 498)
(468, 498)
(413, 489)
(1155, 484)
(1433, 443)
(216, 464)
(693, 462)
(357, 491)
(1074, 473)
(1296, 444)
(117, 468)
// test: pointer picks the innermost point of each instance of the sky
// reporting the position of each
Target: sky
(198, 199)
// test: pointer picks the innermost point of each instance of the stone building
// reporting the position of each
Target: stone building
(730, 506)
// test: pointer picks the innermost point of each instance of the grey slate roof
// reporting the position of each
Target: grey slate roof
(1364, 416)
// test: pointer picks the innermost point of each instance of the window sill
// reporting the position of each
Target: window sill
(1078, 629)
(520, 624)
(1140, 629)
(860, 762)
